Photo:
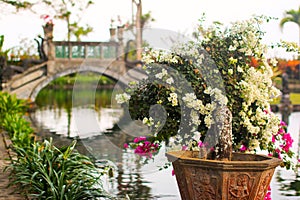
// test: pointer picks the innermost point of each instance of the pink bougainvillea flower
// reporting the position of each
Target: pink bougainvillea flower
(145, 148)
(184, 148)
(268, 195)
(126, 145)
(173, 172)
(273, 139)
(278, 152)
(136, 140)
(282, 123)
(243, 148)
(200, 144)
(142, 138)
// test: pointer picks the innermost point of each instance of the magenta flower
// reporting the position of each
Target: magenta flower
(184, 148)
(273, 139)
(288, 142)
(145, 148)
(138, 139)
(243, 148)
(200, 144)
(142, 138)
(126, 145)
(173, 172)
(278, 152)
(282, 123)
(268, 195)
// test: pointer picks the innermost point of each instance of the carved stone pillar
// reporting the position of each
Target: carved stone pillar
(112, 32)
(120, 42)
(48, 35)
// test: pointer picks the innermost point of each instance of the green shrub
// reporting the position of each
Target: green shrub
(18, 129)
(11, 104)
(41, 170)
(12, 111)
(48, 172)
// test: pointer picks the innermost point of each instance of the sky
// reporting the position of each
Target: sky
(174, 15)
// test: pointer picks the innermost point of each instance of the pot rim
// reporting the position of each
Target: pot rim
(244, 160)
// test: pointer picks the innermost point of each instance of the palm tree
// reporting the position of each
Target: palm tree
(291, 16)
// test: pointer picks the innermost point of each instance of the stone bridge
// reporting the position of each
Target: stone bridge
(64, 58)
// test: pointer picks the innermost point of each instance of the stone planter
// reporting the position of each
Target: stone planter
(246, 177)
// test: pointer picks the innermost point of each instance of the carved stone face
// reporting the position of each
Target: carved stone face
(205, 180)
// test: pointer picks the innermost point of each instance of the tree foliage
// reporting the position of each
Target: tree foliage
(18, 4)
(69, 11)
(291, 16)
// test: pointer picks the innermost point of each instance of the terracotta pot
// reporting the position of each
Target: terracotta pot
(246, 177)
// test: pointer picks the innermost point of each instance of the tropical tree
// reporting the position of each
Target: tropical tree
(79, 31)
(138, 24)
(18, 4)
(291, 16)
(71, 11)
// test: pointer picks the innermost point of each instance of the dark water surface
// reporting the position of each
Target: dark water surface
(94, 127)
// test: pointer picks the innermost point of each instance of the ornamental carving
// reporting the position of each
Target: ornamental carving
(204, 186)
(240, 187)
(180, 176)
(263, 186)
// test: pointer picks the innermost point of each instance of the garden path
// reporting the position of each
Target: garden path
(6, 193)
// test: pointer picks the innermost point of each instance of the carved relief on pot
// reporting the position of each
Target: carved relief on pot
(205, 187)
(263, 186)
(240, 186)
(181, 184)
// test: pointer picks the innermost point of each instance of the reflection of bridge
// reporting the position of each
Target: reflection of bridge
(66, 58)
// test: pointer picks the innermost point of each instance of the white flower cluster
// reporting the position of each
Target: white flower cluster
(217, 96)
(173, 99)
(190, 50)
(248, 42)
(153, 56)
(164, 76)
(257, 89)
(122, 98)
(198, 107)
(148, 121)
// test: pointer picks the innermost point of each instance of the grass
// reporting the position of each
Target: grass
(86, 78)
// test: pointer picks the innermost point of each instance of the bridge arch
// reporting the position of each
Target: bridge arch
(99, 70)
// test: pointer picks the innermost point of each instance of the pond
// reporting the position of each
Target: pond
(98, 137)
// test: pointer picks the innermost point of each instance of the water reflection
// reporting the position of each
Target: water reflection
(55, 118)
(289, 186)
(285, 183)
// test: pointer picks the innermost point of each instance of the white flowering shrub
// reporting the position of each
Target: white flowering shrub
(193, 80)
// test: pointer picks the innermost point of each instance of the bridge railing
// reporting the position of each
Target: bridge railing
(74, 49)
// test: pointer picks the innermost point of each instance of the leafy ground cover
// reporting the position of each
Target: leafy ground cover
(42, 170)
